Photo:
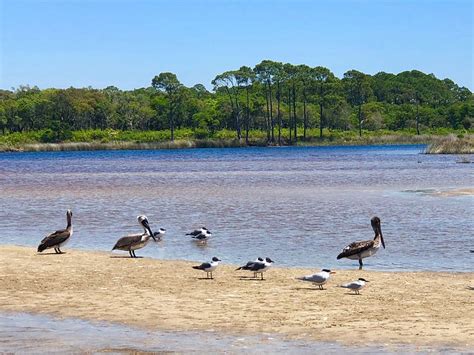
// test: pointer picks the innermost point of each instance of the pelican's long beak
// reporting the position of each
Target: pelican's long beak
(147, 226)
(381, 239)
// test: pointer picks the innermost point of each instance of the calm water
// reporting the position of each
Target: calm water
(300, 206)
(25, 333)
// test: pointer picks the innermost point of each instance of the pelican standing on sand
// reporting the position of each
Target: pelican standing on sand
(319, 278)
(59, 238)
(208, 267)
(366, 248)
(133, 242)
(355, 286)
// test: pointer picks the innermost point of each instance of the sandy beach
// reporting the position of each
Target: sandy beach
(420, 308)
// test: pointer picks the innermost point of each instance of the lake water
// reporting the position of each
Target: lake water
(298, 205)
(26, 333)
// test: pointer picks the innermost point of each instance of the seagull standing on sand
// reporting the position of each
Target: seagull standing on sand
(59, 238)
(366, 248)
(208, 267)
(319, 278)
(133, 242)
(259, 267)
(355, 286)
(250, 265)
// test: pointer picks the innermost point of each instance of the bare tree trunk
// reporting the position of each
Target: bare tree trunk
(321, 121)
(171, 121)
(290, 127)
(417, 118)
(247, 123)
(360, 120)
(272, 122)
(305, 120)
(279, 112)
(267, 118)
(294, 114)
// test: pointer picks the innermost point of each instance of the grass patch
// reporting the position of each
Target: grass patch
(187, 138)
(452, 145)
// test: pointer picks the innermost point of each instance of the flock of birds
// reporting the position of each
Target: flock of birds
(355, 251)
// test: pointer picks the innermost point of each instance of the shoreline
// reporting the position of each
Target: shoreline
(433, 144)
(418, 308)
(96, 146)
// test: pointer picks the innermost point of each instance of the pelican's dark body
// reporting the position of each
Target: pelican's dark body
(366, 248)
(59, 238)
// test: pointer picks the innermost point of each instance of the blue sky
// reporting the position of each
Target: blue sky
(53, 43)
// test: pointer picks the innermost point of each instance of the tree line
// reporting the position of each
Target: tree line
(280, 99)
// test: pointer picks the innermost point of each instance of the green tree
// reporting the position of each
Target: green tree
(169, 83)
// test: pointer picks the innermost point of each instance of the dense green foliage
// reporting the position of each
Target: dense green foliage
(280, 103)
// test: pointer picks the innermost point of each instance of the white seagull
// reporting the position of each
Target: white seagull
(319, 278)
(259, 267)
(355, 286)
(208, 267)
(202, 236)
(198, 231)
(158, 235)
(250, 265)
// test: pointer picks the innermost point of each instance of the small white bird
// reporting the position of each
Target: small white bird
(158, 235)
(319, 278)
(203, 236)
(198, 231)
(355, 286)
(208, 267)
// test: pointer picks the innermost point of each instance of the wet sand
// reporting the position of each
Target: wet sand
(419, 308)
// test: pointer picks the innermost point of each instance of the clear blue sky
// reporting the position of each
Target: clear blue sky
(53, 43)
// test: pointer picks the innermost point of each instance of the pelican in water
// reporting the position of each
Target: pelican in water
(208, 267)
(133, 242)
(59, 238)
(366, 248)
(356, 285)
(319, 278)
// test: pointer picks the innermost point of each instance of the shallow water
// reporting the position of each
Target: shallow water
(26, 333)
(298, 205)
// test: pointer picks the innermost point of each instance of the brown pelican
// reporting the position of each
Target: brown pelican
(366, 248)
(133, 242)
(59, 238)
(319, 278)
(356, 285)
(208, 267)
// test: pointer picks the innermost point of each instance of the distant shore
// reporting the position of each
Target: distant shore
(84, 141)
(421, 308)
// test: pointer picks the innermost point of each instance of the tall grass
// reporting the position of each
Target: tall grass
(187, 138)
(452, 145)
